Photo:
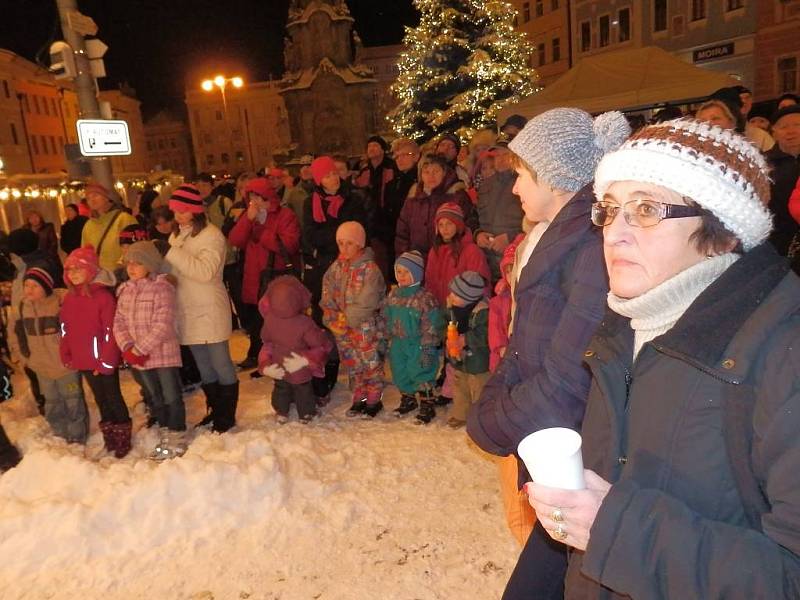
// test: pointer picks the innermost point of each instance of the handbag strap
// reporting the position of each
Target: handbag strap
(105, 233)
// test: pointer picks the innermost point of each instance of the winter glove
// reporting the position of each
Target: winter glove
(339, 326)
(294, 363)
(275, 371)
(134, 359)
(430, 357)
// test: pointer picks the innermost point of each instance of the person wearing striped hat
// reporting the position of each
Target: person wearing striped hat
(414, 324)
(105, 224)
(467, 343)
(196, 258)
(36, 339)
(689, 439)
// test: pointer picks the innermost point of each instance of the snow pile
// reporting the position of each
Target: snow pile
(338, 509)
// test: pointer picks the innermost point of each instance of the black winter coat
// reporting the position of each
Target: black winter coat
(71, 233)
(785, 171)
(699, 438)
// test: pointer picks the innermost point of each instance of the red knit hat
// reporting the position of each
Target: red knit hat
(452, 212)
(85, 258)
(186, 198)
(262, 187)
(321, 167)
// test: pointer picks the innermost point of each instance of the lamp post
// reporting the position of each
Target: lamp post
(221, 82)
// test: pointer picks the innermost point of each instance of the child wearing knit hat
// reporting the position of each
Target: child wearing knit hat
(414, 323)
(467, 342)
(131, 234)
(144, 328)
(36, 341)
(352, 291)
(87, 343)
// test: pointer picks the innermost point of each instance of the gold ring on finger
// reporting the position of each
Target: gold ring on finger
(560, 533)
(557, 515)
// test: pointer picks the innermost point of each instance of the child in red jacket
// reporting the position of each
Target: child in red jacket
(295, 349)
(87, 343)
(500, 307)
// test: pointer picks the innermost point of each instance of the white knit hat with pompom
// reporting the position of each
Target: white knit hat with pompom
(717, 168)
(564, 145)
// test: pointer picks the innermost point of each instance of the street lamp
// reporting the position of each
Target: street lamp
(221, 82)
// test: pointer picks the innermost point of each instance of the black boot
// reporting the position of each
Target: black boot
(426, 412)
(442, 400)
(211, 391)
(372, 410)
(407, 404)
(251, 362)
(9, 455)
(225, 415)
(357, 408)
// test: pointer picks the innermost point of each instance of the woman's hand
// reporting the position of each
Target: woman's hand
(252, 210)
(577, 508)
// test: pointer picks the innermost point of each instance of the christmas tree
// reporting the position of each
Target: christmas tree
(462, 64)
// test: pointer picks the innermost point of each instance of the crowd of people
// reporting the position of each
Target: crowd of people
(572, 272)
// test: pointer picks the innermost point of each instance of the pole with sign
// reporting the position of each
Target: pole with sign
(74, 25)
(101, 137)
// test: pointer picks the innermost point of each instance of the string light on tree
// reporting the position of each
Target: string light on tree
(462, 64)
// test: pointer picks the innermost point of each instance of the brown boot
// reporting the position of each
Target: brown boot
(121, 436)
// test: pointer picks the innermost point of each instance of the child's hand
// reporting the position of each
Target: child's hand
(294, 363)
(132, 358)
(275, 371)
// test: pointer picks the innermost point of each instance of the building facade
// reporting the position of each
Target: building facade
(606, 26)
(169, 144)
(382, 61)
(244, 132)
(777, 49)
(546, 23)
(125, 107)
(329, 98)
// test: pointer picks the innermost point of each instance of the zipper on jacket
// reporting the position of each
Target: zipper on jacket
(628, 382)
(696, 364)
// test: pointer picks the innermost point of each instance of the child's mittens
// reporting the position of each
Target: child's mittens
(339, 326)
(134, 359)
(294, 362)
(275, 371)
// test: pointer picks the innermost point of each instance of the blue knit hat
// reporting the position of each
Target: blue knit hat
(564, 145)
(414, 262)
(469, 286)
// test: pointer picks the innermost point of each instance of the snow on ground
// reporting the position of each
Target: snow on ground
(341, 509)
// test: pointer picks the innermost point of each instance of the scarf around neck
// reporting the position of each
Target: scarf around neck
(334, 205)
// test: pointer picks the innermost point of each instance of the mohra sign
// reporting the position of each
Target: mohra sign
(713, 52)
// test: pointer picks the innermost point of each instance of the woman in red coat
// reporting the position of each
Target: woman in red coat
(453, 252)
(269, 235)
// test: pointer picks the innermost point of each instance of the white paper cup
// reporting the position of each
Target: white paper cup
(553, 458)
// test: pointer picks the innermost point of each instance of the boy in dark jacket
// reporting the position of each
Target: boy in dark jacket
(468, 352)
(294, 347)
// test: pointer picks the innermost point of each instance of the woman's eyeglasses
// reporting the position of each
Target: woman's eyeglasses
(640, 213)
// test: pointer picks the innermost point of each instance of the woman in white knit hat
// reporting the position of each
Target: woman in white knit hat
(690, 435)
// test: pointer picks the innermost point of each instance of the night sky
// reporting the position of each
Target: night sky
(162, 46)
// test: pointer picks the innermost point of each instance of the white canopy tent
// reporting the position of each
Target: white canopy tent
(633, 79)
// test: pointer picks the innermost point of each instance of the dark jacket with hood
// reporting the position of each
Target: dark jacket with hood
(785, 172)
(561, 297)
(416, 227)
(699, 439)
(288, 329)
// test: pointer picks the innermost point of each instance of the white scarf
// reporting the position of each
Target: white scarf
(656, 311)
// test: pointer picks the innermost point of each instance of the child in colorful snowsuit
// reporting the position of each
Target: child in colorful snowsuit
(144, 328)
(37, 337)
(294, 348)
(87, 343)
(414, 323)
(352, 291)
(469, 351)
(500, 308)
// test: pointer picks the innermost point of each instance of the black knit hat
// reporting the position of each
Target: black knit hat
(380, 141)
(517, 121)
(132, 234)
(786, 110)
(452, 137)
(22, 241)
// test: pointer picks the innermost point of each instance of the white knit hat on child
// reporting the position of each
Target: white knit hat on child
(716, 168)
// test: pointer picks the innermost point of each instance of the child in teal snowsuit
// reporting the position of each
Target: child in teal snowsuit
(415, 325)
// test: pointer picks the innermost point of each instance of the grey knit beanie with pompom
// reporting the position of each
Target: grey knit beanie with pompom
(564, 145)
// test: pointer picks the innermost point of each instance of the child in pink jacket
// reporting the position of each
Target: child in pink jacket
(144, 327)
(87, 343)
(295, 349)
(500, 308)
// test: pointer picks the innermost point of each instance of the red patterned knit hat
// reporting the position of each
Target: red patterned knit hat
(85, 258)
(41, 276)
(186, 198)
(452, 212)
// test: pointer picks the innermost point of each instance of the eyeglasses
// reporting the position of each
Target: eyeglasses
(640, 213)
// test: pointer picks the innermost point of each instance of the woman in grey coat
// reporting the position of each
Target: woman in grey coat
(690, 434)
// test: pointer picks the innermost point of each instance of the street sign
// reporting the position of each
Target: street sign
(81, 23)
(100, 137)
